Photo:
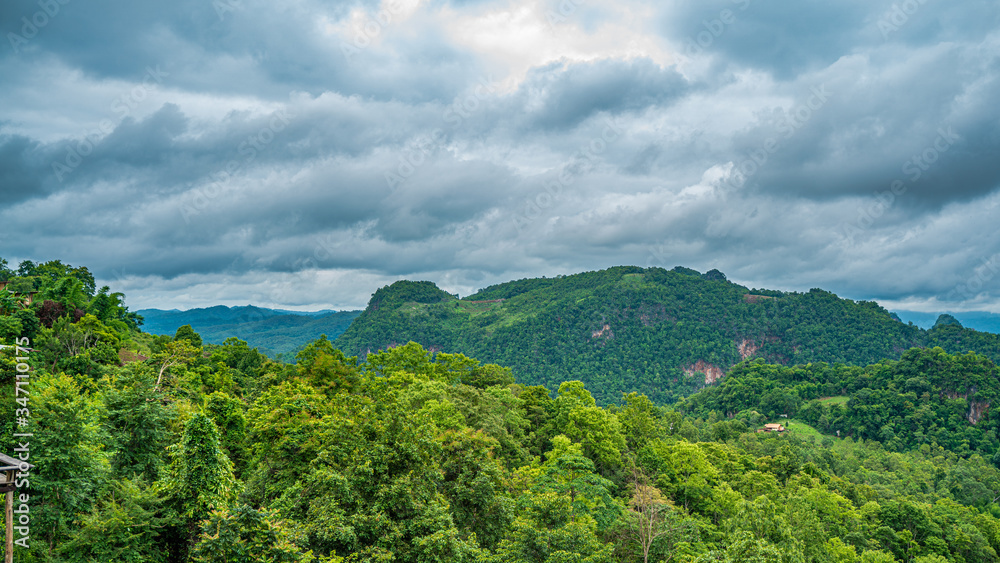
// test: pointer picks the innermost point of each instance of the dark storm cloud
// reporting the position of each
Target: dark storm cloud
(933, 127)
(243, 46)
(21, 169)
(784, 38)
(570, 93)
(291, 145)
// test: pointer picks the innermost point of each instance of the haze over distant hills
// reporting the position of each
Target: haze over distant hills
(976, 320)
(272, 331)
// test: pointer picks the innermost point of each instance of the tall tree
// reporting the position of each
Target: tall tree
(201, 480)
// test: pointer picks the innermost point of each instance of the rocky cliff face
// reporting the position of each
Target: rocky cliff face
(746, 349)
(712, 373)
(977, 410)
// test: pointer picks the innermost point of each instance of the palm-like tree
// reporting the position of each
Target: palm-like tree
(10, 302)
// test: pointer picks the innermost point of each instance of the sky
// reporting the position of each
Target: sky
(301, 154)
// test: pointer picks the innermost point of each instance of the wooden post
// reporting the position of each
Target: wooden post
(8, 556)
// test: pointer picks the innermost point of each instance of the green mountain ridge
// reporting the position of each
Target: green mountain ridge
(650, 330)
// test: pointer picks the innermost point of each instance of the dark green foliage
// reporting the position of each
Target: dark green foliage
(489, 376)
(138, 422)
(946, 320)
(29, 323)
(187, 333)
(26, 268)
(5, 272)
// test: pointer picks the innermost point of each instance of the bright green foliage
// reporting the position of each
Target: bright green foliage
(201, 480)
(245, 535)
(228, 414)
(236, 354)
(122, 526)
(327, 368)
(29, 322)
(745, 548)
(9, 302)
(10, 328)
(685, 472)
(201, 475)
(68, 451)
(578, 417)
(68, 291)
(560, 512)
(284, 424)
(374, 485)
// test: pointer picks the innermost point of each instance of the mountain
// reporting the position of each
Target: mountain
(272, 331)
(659, 332)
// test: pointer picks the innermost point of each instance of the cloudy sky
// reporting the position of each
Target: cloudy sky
(303, 153)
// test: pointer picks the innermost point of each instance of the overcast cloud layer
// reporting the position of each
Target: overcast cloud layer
(301, 154)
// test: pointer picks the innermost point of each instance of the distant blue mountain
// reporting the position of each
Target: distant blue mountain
(976, 320)
(272, 331)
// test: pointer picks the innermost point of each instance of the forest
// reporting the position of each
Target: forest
(648, 330)
(167, 448)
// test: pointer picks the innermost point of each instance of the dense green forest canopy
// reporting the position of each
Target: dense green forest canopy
(648, 330)
(410, 456)
(168, 448)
